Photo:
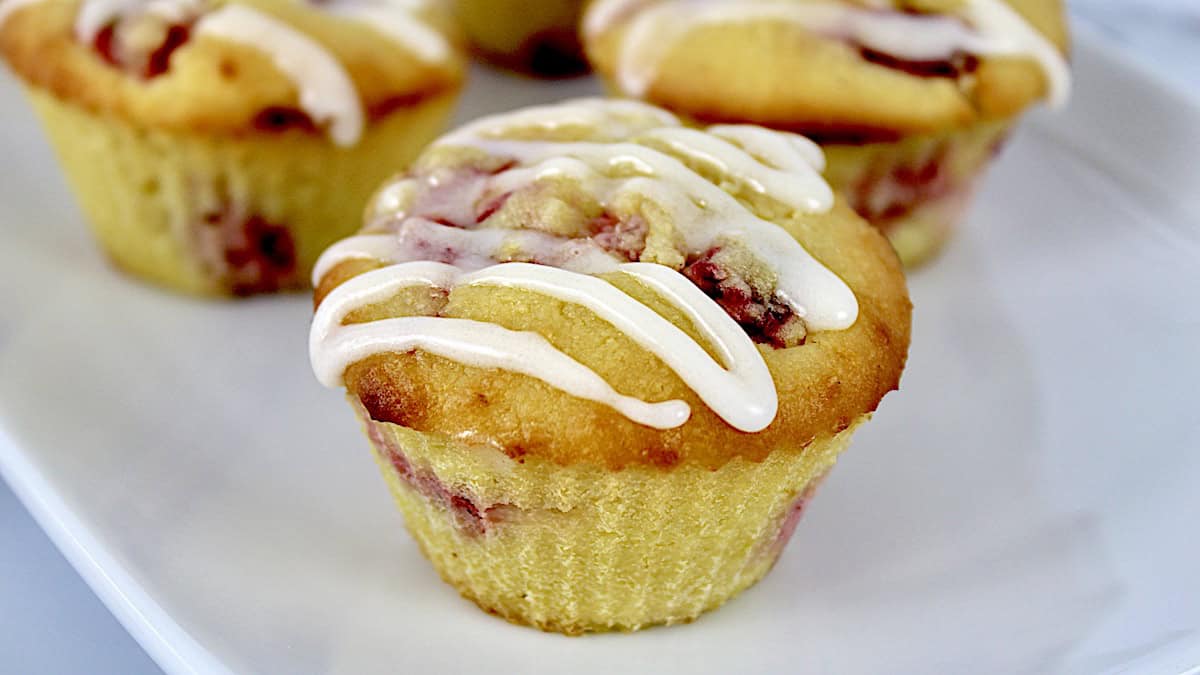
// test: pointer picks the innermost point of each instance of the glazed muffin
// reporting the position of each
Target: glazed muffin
(604, 360)
(910, 99)
(218, 147)
(538, 37)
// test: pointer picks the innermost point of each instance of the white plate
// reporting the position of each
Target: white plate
(1028, 502)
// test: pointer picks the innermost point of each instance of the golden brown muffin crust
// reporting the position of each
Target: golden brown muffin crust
(824, 385)
(214, 86)
(731, 72)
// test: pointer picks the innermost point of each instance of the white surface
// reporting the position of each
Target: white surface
(1162, 34)
(52, 622)
(1025, 504)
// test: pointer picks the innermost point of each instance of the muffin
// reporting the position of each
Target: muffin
(538, 37)
(604, 360)
(910, 99)
(218, 147)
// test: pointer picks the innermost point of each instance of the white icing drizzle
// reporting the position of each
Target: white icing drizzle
(391, 200)
(613, 118)
(736, 385)
(95, 15)
(327, 93)
(744, 394)
(795, 183)
(360, 247)
(333, 347)
(704, 213)
(1005, 32)
(475, 249)
(782, 150)
(981, 27)
(602, 15)
(397, 20)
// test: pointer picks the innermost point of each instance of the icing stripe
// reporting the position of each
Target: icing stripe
(743, 395)
(327, 93)
(334, 347)
(360, 247)
(796, 181)
(741, 391)
(486, 345)
(613, 118)
(786, 151)
(95, 15)
(395, 19)
(474, 249)
(1004, 31)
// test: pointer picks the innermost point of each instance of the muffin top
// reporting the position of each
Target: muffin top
(836, 70)
(229, 67)
(594, 282)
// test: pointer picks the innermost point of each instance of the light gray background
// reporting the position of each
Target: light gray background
(51, 623)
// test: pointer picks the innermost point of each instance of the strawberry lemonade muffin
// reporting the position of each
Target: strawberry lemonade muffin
(217, 147)
(604, 360)
(910, 99)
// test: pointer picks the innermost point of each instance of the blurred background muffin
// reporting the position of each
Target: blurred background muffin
(538, 37)
(910, 99)
(217, 147)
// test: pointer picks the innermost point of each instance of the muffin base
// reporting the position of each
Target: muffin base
(233, 215)
(576, 549)
(918, 188)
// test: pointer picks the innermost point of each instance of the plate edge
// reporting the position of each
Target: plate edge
(145, 620)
